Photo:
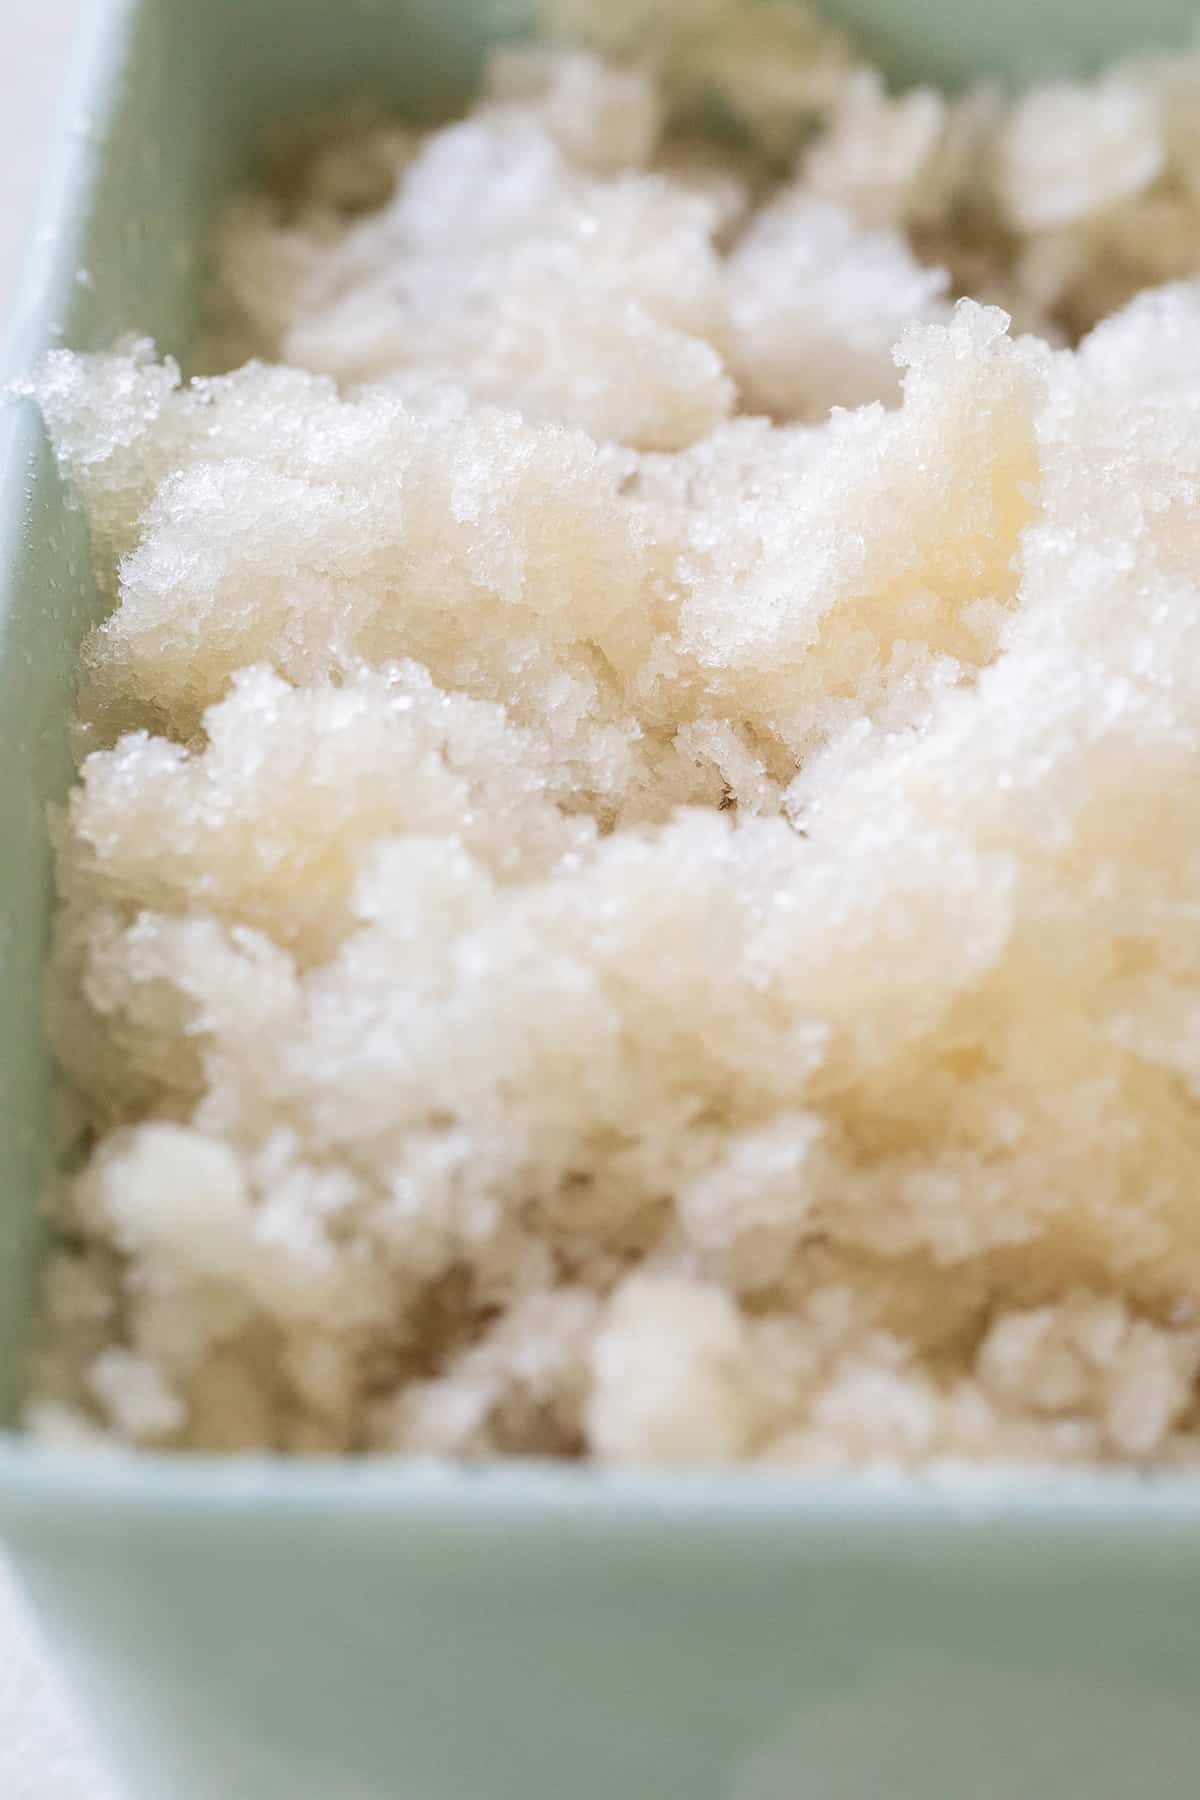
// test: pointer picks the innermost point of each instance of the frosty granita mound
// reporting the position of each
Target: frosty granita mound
(634, 885)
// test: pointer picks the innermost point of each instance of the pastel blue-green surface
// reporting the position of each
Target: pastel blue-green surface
(329, 1633)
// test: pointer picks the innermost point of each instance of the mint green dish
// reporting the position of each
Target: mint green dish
(243, 1631)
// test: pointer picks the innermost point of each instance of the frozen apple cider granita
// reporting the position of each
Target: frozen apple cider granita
(634, 885)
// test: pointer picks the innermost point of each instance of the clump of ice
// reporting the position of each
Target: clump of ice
(600, 923)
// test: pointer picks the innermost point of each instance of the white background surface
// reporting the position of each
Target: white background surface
(41, 1757)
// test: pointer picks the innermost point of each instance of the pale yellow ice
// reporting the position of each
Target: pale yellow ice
(596, 922)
